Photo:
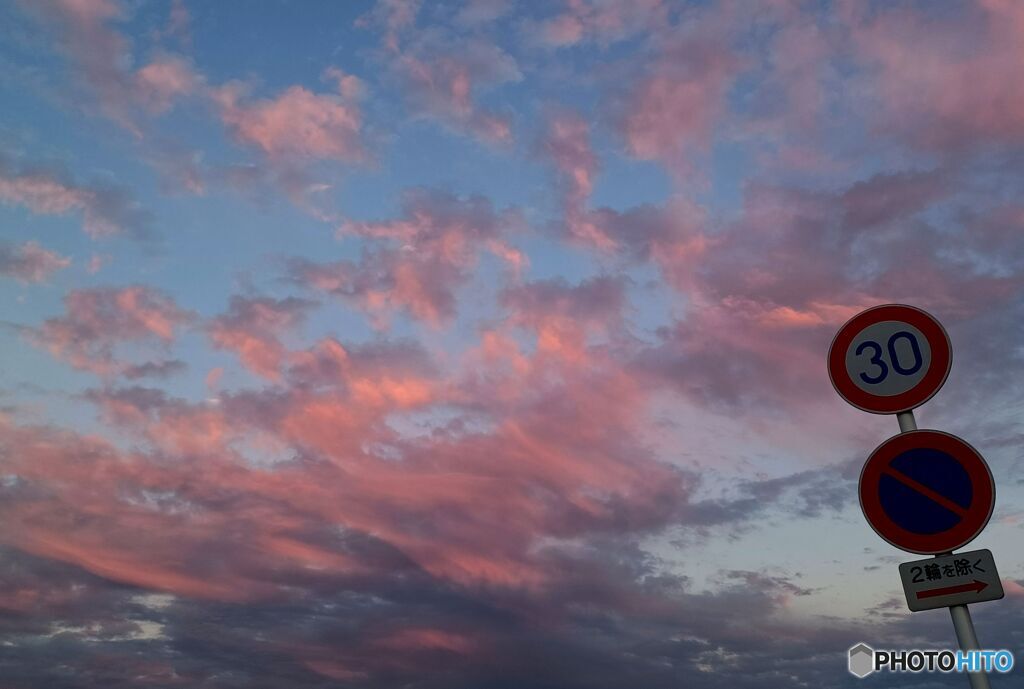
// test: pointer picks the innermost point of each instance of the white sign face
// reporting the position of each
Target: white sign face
(888, 358)
(957, 579)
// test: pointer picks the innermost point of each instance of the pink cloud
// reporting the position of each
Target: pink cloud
(96, 50)
(42, 526)
(442, 74)
(567, 145)
(563, 316)
(97, 320)
(29, 262)
(477, 12)
(350, 86)
(797, 79)
(420, 260)
(521, 506)
(941, 81)
(769, 291)
(51, 191)
(600, 22)
(792, 247)
(96, 263)
(181, 170)
(673, 237)
(536, 460)
(101, 56)
(296, 125)
(675, 107)
(167, 425)
(252, 327)
(179, 24)
(562, 30)
(888, 197)
(383, 375)
(395, 16)
(213, 377)
(413, 639)
(165, 80)
(390, 280)
(444, 86)
(736, 354)
(598, 301)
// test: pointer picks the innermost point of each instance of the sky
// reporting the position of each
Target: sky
(473, 344)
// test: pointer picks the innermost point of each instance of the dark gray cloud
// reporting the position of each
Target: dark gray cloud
(609, 624)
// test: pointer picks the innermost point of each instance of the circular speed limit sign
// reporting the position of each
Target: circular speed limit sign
(889, 359)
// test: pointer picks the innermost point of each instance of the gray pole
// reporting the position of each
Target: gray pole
(968, 641)
(962, 623)
(907, 421)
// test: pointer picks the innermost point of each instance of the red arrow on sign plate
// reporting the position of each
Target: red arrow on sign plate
(976, 586)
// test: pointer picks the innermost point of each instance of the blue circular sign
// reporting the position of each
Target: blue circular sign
(927, 492)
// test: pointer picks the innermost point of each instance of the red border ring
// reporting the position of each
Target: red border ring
(983, 499)
(933, 380)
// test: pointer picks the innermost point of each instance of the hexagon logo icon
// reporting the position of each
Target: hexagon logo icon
(862, 660)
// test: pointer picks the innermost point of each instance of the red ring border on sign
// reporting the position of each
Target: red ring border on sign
(982, 501)
(933, 380)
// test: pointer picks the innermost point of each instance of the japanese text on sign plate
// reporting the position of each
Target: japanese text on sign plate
(961, 567)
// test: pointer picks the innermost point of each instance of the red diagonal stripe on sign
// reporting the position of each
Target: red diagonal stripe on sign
(926, 491)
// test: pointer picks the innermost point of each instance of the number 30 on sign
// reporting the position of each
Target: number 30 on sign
(889, 359)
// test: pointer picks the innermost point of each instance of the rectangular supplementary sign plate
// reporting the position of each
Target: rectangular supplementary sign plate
(957, 579)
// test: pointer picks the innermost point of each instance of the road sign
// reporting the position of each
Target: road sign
(958, 579)
(889, 359)
(923, 491)
(926, 492)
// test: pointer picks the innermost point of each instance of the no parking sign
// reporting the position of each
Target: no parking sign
(927, 492)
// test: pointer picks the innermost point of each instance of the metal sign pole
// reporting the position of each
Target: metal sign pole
(968, 641)
(962, 624)
(907, 421)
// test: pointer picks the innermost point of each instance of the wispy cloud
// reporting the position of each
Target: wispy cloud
(51, 190)
(29, 262)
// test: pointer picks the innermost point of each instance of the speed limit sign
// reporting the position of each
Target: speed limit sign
(889, 359)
